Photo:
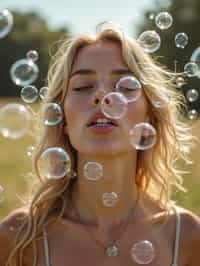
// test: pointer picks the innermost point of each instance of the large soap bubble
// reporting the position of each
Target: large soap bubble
(15, 120)
(6, 23)
(196, 56)
(142, 136)
(51, 114)
(150, 41)
(24, 72)
(54, 163)
(130, 87)
(114, 105)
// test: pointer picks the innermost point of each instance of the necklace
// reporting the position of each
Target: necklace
(111, 250)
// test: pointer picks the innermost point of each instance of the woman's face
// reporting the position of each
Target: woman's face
(98, 67)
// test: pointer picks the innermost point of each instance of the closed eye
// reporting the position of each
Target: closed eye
(82, 88)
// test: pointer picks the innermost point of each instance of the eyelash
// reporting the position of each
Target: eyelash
(82, 88)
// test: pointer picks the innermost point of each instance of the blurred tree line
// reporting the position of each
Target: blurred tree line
(30, 32)
(186, 18)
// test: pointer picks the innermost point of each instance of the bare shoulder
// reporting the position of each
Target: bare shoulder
(190, 224)
(8, 227)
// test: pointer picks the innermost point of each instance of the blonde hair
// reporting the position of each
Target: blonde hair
(156, 172)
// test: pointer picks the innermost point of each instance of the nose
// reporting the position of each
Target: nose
(98, 96)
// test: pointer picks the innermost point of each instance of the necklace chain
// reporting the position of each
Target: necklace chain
(111, 249)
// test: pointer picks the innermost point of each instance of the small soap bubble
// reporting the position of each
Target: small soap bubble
(180, 82)
(51, 114)
(30, 150)
(29, 94)
(54, 163)
(150, 41)
(24, 72)
(181, 40)
(32, 55)
(192, 95)
(143, 252)
(164, 20)
(130, 87)
(15, 120)
(6, 23)
(191, 69)
(93, 171)
(192, 114)
(151, 16)
(109, 199)
(43, 92)
(142, 136)
(114, 105)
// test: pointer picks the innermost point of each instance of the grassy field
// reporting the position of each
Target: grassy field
(15, 164)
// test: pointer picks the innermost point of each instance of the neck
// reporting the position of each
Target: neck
(119, 177)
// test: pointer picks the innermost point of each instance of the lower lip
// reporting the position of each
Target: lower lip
(102, 129)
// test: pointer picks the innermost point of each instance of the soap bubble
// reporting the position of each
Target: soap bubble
(24, 72)
(192, 114)
(32, 55)
(6, 23)
(52, 114)
(191, 69)
(130, 87)
(142, 136)
(151, 16)
(181, 40)
(30, 150)
(114, 105)
(192, 95)
(109, 199)
(43, 92)
(143, 252)
(196, 56)
(164, 20)
(29, 94)
(93, 171)
(150, 41)
(180, 82)
(54, 163)
(15, 120)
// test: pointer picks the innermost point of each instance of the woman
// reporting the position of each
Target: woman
(67, 223)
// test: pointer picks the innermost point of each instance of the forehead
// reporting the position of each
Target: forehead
(99, 55)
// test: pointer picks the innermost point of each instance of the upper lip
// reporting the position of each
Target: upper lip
(97, 115)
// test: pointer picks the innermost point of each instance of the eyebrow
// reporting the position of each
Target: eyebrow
(92, 72)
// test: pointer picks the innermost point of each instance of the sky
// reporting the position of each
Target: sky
(82, 16)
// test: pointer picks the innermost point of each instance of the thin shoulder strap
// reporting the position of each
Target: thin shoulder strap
(46, 248)
(177, 240)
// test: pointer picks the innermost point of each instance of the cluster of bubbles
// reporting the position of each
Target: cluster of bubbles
(54, 162)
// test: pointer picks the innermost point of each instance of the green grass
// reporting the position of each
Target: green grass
(14, 164)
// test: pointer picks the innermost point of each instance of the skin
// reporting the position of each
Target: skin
(71, 239)
(112, 150)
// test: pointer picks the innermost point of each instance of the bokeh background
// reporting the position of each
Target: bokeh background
(40, 24)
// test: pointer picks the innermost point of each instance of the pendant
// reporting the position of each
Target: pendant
(112, 251)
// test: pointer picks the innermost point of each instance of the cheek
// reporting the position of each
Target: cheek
(74, 110)
(137, 111)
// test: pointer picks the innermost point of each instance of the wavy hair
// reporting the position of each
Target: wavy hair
(156, 171)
